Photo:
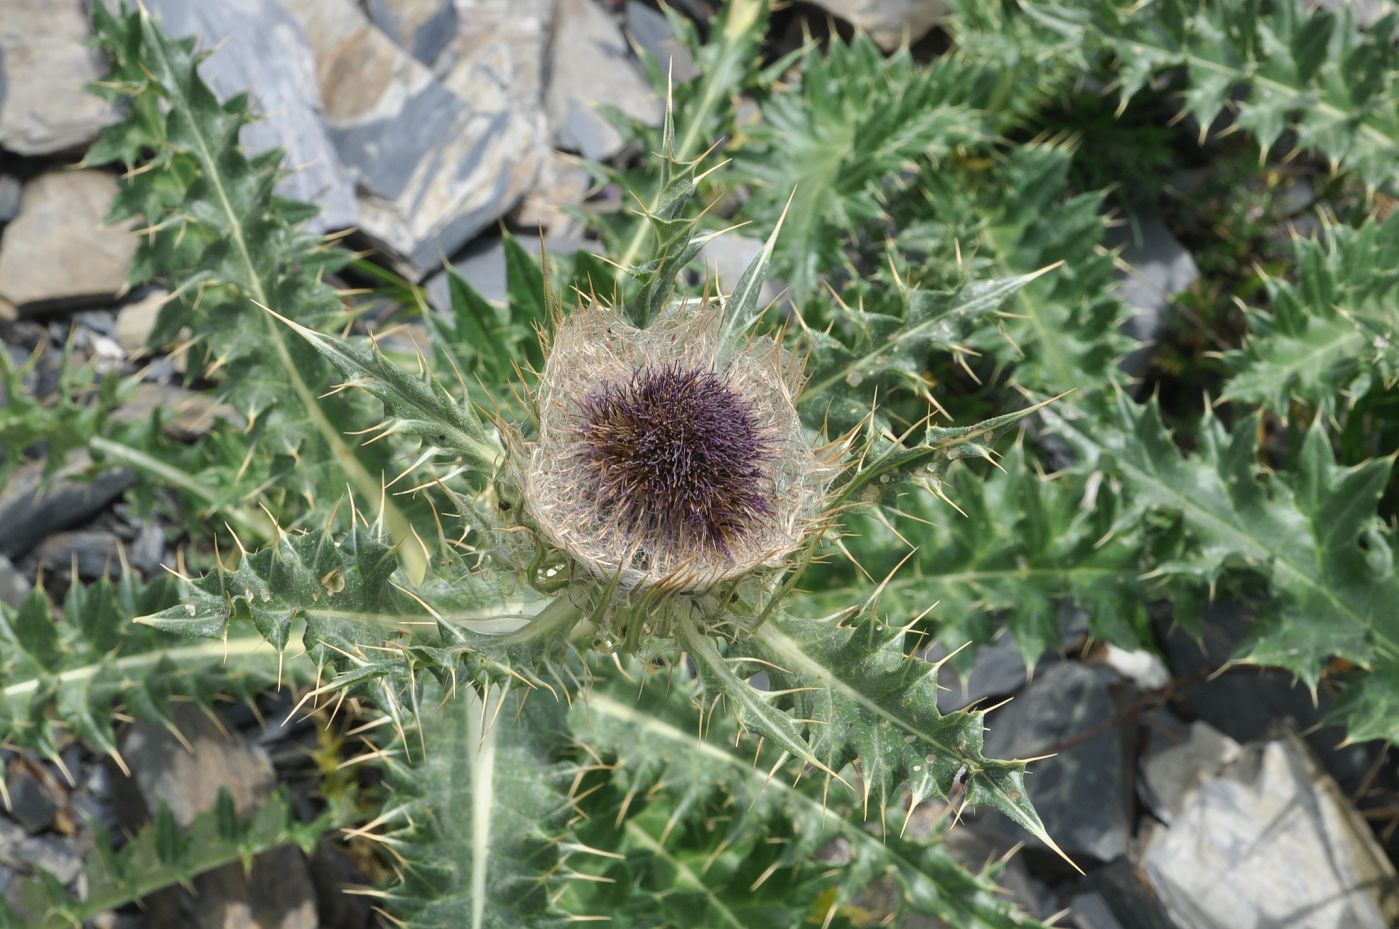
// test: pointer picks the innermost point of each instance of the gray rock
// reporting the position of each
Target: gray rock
(57, 253)
(502, 45)
(1269, 841)
(997, 671)
(422, 28)
(1084, 792)
(1117, 897)
(277, 893)
(1246, 702)
(164, 771)
(590, 66)
(728, 256)
(57, 855)
(45, 63)
(1139, 666)
(14, 586)
(1169, 774)
(481, 264)
(261, 50)
(1158, 268)
(31, 804)
(10, 190)
(137, 319)
(185, 414)
(562, 185)
(11, 834)
(93, 553)
(30, 509)
(651, 30)
(334, 872)
(890, 23)
(430, 169)
(102, 322)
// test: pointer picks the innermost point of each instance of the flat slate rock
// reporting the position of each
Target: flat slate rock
(998, 670)
(1269, 841)
(45, 63)
(1158, 267)
(1084, 792)
(590, 66)
(1246, 702)
(277, 893)
(94, 553)
(58, 254)
(500, 44)
(14, 586)
(430, 168)
(31, 508)
(260, 49)
(10, 189)
(423, 28)
(650, 29)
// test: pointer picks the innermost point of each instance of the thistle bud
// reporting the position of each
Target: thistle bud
(667, 456)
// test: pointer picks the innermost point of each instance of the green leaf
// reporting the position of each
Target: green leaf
(870, 351)
(66, 672)
(1283, 66)
(478, 324)
(668, 774)
(869, 698)
(479, 814)
(419, 405)
(369, 628)
(1013, 547)
(702, 109)
(1312, 533)
(1333, 333)
(225, 244)
(841, 154)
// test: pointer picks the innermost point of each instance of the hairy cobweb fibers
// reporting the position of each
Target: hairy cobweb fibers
(676, 456)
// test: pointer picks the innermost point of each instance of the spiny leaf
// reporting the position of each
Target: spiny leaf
(645, 719)
(824, 139)
(1283, 66)
(867, 698)
(420, 405)
(369, 628)
(223, 241)
(704, 110)
(867, 350)
(478, 814)
(1331, 334)
(66, 672)
(1013, 545)
(1311, 532)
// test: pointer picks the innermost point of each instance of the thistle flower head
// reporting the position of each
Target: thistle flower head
(666, 455)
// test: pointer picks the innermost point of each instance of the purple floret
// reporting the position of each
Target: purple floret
(678, 457)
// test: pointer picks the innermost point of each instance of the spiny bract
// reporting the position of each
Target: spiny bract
(671, 456)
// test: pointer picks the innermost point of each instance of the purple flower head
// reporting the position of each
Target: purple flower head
(678, 456)
(670, 456)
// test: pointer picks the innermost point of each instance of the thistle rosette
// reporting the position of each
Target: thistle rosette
(671, 457)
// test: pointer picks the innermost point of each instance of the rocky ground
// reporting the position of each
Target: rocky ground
(426, 125)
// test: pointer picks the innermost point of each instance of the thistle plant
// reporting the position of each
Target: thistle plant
(634, 576)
